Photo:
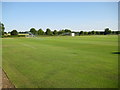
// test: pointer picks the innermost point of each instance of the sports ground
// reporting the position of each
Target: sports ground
(62, 61)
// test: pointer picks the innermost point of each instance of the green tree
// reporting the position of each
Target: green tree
(55, 32)
(113, 32)
(107, 31)
(14, 32)
(110, 32)
(97, 32)
(60, 32)
(40, 32)
(89, 33)
(85, 33)
(33, 31)
(5, 32)
(2, 28)
(48, 32)
(93, 32)
(117, 32)
(67, 30)
(81, 33)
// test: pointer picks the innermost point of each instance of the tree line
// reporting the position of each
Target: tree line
(63, 32)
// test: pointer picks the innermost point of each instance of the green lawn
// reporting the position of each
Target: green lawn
(62, 62)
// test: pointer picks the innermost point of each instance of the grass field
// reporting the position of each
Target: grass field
(61, 62)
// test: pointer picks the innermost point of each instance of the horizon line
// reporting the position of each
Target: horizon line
(64, 29)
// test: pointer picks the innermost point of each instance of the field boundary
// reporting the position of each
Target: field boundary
(6, 83)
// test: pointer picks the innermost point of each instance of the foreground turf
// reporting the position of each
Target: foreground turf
(67, 62)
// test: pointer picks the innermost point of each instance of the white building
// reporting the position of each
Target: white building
(72, 34)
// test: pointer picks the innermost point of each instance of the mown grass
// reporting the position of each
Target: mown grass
(62, 62)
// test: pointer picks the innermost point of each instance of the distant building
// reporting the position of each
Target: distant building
(72, 34)
(66, 34)
(22, 34)
(26, 34)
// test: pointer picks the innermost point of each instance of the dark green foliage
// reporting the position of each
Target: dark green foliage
(81, 33)
(40, 32)
(93, 32)
(23, 32)
(61, 32)
(107, 31)
(85, 33)
(101, 33)
(64, 32)
(2, 28)
(113, 32)
(48, 32)
(110, 31)
(76, 33)
(89, 33)
(33, 31)
(97, 33)
(55, 32)
(14, 32)
(117, 32)
(5, 32)
(67, 30)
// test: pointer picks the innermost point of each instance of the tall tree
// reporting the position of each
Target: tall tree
(113, 32)
(93, 32)
(97, 32)
(55, 32)
(89, 33)
(48, 32)
(60, 32)
(81, 33)
(67, 30)
(107, 31)
(2, 28)
(40, 32)
(85, 33)
(33, 31)
(117, 32)
(14, 32)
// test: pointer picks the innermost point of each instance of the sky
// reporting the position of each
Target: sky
(60, 0)
(76, 16)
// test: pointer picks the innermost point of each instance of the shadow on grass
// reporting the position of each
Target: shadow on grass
(115, 52)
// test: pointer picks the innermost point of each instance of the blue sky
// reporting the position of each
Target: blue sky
(60, 15)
